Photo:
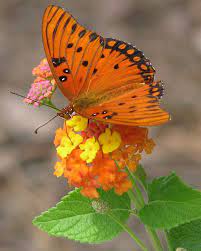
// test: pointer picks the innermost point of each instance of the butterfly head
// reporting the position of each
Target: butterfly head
(66, 112)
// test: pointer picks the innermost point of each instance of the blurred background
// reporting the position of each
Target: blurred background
(169, 33)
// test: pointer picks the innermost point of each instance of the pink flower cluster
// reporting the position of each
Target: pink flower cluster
(39, 91)
(43, 86)
(42, 70)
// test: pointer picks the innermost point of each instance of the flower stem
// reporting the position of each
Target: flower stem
(50, 104)
(154, 239)
(151, 232)
(130, 232)
(136, 188)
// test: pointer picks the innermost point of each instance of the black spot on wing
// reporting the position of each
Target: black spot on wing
(57, 61)
(157, 89)
(70, 45)
(63, 78)
(79, 49)
(93, 37)
(82, 33)
(74, 27)
(85, 63)
(135, 56)
(110, 116)
(67, 71)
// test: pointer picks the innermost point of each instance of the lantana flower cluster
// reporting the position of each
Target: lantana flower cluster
(94, 155)
(43, 86)
(91, 154)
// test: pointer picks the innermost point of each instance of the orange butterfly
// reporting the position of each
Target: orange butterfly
(103, 78)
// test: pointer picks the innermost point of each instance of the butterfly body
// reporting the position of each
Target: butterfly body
(103, 78)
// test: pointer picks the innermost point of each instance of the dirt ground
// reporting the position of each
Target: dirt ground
(169, 33)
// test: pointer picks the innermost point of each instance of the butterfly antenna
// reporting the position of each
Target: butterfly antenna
(36, 131)
(19, 95)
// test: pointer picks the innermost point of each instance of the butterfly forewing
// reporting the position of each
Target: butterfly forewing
(120, 64)
(105, 79)
(72, 51)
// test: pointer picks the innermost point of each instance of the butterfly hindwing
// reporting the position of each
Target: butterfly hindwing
(137, 107)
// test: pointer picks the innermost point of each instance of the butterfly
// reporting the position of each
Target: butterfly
(103, 78)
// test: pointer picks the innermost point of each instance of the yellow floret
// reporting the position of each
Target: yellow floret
(110, 141)
(90, 149)
(78, 123)
(59, 169)
(68, 144)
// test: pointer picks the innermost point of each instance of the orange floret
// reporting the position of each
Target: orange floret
(131, 135)
(122, 184)
(60, 133)
(80, 175)
(149, 146)
(106, 170)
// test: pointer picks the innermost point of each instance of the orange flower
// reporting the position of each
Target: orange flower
(133, 161)
(60, 133)
(42, 70)
(149, 146)
(121, 147)
(122, 184)
(106, 170)
(59, 169)
(131, 135)
(81, 175)
(90, 192)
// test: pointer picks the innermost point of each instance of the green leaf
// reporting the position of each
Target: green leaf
(141, 176)
(171, 188)
(171, 203)
(186, 236)
(79, 218)
(169, 214)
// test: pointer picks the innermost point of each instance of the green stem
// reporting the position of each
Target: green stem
(130, 232)
(134, 199)
(136, 188)
(151, 232)
(49, 103)
(154, 239)
(168, 241)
